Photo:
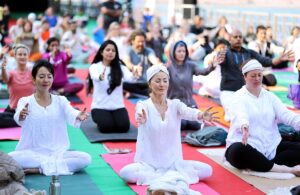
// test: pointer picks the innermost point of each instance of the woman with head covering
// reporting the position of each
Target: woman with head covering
(181, 72)
(19, 84)
(158, 149)
(254, 141)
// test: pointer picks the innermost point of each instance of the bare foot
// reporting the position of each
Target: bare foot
(32, 171)
(296, 170)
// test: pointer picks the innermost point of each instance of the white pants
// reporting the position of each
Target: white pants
(75, 160)
(141, 174)
(226, 98)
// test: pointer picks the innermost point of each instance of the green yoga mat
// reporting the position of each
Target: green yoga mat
(77, 184)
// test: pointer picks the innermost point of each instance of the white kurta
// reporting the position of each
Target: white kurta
(158, 148)
(44, 132)
(262, 114)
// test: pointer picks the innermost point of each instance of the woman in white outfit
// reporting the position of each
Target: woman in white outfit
(43, 147)
(253, 141)
(158, 158)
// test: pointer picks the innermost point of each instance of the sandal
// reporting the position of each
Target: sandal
(119, 151)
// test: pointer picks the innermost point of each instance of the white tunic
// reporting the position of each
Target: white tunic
(158, 149)
(101, 99)
(159, 141)
(44, 131)
(262, 114)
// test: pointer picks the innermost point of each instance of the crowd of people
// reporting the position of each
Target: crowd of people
(132, 59)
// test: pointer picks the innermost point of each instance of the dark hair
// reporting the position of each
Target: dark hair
(181, 44)
(135, 34)
(116, 75)
(221, 41)
(260, 27)
(49, 41)
(39, 64)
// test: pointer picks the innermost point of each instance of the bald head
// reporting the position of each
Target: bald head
(236, 39)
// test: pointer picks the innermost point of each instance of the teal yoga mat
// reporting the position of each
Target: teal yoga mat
(77, 184)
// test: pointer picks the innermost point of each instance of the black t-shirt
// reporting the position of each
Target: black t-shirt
(111, 5)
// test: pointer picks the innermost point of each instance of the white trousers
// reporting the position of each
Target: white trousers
(226, 98)
(75, 160)
(142, 174)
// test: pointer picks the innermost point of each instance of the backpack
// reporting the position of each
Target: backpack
(288, 133)
(207, 136)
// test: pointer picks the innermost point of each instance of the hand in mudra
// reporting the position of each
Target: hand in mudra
(209, 116)
(23, 113)
(102, 75)
(83, 115)
(245, 131)
(141, 118)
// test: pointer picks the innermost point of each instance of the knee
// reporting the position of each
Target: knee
(236, 150)
(86, 159)
(128, 174)
(236, 154)
(123, 128)
(205, 172)
(16, 157)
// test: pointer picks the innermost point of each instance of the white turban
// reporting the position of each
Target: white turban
(153, 70)
(251, 65)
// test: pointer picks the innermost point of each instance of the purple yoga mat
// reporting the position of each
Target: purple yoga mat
(294, 94)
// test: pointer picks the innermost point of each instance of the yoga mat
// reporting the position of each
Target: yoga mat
(92, 133)
(77, 184)
(4, 102)
(264, 184)
(222, 180)
(277, 88)
(87, 99)
(204, 103)
(74, 99)
(114, 161)
(75, 79)
(13, 133)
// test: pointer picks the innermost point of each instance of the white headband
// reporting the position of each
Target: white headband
(154, 70)
(251, 65)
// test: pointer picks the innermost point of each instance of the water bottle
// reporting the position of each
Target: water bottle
(54, 188)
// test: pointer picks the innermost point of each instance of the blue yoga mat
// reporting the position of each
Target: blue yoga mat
(77, 184)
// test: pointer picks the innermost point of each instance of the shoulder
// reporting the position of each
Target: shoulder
(123, 67)
(94, 66)
(27, 98)
(239, 94)
(269, 94)
(174, 102)
(149, 50)
(59, 99)
(191, 64)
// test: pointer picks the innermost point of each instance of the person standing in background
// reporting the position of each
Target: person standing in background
(111, 11)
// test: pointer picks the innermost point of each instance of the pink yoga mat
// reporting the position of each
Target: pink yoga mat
(10, 133)
(117, 161)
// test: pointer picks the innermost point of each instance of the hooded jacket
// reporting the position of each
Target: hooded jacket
(181, 76)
